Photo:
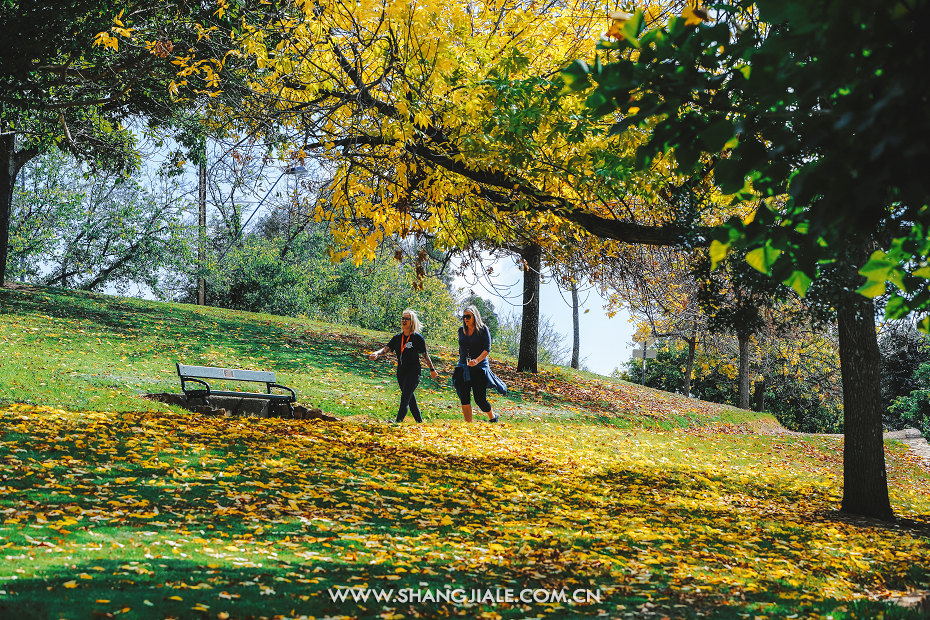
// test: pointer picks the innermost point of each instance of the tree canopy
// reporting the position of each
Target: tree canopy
(814, 112)
(459, 135)
(77, 74)
(814, 108)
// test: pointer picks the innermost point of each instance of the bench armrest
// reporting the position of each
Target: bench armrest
(283, 387)
(189, 379)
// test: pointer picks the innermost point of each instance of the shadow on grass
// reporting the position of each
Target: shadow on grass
(351, 484)
(163, 588)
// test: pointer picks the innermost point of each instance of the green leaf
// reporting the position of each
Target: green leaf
(676, 26)
(730, 175)
(656, 36)
(878, 267)
(872, 288)
(600, 104)
(896, 277)
(718, 252)
(575, 76)
(763, 258)
(632, 28)
(896, 308)
(626, 123)
(799, 282)
(717, 135)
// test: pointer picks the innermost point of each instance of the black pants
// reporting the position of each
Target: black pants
(408, 383)
(478, 385)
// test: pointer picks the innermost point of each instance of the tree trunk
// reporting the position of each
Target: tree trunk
(743, 369)
(576, 330)
(865, 484)
(759, 396)
(529, 330)
(10, 164)
(689, 367)
(8, 172)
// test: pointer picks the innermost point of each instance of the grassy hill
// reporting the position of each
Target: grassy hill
(642, 503)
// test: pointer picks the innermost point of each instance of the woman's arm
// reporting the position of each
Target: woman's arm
(478, 359)
(429, 364)
(374, 354)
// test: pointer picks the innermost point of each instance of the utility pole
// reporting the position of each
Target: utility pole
(202, 234)
(645, 353)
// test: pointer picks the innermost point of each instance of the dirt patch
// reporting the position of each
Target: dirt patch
(18, 286)
(228, 407)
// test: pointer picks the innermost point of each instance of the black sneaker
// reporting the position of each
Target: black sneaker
(495, 419)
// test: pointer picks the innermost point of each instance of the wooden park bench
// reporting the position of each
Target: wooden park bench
(198, 374)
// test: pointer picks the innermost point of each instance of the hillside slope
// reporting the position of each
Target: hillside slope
(662, 506)
(101, 352)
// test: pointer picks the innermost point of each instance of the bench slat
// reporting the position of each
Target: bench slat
(251, 395)
(206, 372)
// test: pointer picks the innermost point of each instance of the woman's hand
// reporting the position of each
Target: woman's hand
(373, 356)
(472, 363)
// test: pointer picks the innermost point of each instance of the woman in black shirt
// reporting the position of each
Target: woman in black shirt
(408, 345)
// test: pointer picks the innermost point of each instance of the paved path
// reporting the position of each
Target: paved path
(909, 436)
(914, 440)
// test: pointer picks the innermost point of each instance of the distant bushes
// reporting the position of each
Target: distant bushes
(798, 390)
(304, 282)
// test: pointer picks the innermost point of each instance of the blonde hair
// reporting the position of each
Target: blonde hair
(417, 326)
(479, 324)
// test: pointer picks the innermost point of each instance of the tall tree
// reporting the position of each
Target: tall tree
(77, 73)
(201, 230)
(733, 297)
(527, 361)
(818, 102)
(658, 287)
(452, 136)
(92, 231)
(461, 138)
(904, 350)
(576, 327)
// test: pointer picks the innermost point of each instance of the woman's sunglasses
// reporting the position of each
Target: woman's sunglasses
(404, 319)
(466, 317)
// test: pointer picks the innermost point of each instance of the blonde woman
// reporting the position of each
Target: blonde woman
(473, 373)
(408, 346)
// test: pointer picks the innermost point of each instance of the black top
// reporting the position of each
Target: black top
(470, 347)
(408, 350)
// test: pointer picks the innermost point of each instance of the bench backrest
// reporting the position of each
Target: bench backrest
(230, 374)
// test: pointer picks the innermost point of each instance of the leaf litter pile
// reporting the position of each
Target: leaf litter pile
(169, 515)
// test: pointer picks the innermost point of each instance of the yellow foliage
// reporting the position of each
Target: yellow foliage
(717, 511)
(453, 134)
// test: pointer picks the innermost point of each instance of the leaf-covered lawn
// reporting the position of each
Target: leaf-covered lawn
(116, 506)
(157, 515)
(81, 351)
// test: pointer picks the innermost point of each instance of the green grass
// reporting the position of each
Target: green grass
(116, 506)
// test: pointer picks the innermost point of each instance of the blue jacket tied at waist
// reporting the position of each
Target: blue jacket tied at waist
(493, 380)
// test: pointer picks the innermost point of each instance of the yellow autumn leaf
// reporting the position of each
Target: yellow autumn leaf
(694, 16)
